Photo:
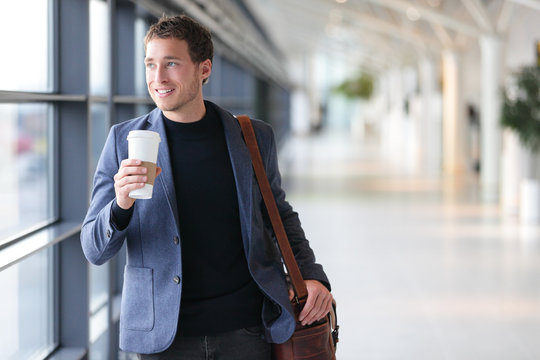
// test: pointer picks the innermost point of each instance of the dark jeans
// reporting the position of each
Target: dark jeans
(243, 344)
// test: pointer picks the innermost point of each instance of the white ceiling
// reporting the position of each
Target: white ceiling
(381, 33)
(356, 34)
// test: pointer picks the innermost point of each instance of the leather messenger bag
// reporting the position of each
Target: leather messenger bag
(313, 342)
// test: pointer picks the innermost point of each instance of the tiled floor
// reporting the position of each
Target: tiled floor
(420, 268)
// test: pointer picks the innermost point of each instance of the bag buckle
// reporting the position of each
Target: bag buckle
(335, 336)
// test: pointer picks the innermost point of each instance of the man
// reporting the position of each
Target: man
(203, 277)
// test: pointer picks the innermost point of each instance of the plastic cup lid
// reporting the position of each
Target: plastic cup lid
(144, 134)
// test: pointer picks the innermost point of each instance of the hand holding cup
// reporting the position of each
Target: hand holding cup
(131, 176)
(135, 178)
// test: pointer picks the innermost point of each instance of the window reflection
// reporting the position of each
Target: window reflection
(26, 329)
(25, 155)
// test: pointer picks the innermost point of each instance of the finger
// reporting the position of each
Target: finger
(158, 171)
(321, 311)
(310, 303)
(133, 170)
(121, 181)
(130, 162)
(307, 307)
(291, 294)
(129, 171)
(127, 163)
(315, 311)
(127, 181)
(325, 309)
(125, 190)
(132, 179)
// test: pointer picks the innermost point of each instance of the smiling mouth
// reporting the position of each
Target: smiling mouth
(164, 92)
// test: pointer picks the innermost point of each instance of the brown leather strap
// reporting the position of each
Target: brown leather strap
(298, 284)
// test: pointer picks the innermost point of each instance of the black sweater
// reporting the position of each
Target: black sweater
(218, 292)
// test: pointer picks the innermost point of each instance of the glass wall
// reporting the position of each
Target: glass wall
(27, 149)
(27, 311)
(99, 48)
(26, 144)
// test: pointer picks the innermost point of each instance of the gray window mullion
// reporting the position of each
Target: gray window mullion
(21, 96)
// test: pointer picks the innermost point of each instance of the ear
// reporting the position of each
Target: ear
(205, 68)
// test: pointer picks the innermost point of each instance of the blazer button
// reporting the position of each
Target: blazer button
(108, 233)
(176, 279)
(176, 240)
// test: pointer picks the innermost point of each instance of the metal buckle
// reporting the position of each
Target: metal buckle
(335, 335)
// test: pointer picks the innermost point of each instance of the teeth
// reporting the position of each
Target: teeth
(164, 91)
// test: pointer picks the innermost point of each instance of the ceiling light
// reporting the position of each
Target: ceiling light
(413, 14)
(341, 1)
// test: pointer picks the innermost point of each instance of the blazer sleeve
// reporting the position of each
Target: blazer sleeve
(100, 239)
(300, 245)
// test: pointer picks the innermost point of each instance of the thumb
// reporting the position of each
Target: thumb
(158, 171)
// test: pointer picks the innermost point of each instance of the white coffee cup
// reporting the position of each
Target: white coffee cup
(144, 145)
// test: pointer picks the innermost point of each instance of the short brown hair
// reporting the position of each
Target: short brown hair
(183, 27)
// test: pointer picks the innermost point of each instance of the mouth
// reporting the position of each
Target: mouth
(163, 92)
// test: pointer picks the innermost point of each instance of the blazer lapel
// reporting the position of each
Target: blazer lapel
(242, 169)
(164, 161)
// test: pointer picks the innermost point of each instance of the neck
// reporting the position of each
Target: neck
(188, 113)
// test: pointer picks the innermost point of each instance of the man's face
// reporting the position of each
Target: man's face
(174, 81)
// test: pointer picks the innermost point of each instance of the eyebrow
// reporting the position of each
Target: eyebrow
(170, 57)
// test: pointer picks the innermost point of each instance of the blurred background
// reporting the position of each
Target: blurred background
(408, 134)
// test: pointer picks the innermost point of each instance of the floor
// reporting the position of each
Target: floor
(420, 268)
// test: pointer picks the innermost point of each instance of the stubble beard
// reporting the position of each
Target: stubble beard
(191, 93)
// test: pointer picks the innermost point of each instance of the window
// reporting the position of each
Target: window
(141, 26)
(99, 128)
(27, 310)
(26, 140)
(27, 151)
(99, 48)
(26, 145)
(25, 60)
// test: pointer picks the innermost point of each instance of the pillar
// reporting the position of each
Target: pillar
(454, 124)
(490, 116)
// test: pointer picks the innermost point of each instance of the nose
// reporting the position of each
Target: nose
(160, 75)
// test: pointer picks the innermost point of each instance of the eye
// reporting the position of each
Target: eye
(150, 65)
(171, 64)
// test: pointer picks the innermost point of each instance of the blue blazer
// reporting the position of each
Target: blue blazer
(152, 276)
